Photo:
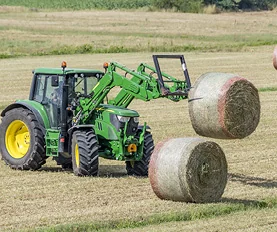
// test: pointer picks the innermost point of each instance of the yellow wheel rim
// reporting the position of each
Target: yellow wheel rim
(17, 139)
(77, 156)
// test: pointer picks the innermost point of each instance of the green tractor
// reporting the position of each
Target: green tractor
(65, 117)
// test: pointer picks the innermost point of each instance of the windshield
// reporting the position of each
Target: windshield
(83, 84)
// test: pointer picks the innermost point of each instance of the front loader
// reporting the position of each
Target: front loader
(66, 118)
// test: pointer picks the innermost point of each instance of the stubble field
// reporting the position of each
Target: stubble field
(54, 199)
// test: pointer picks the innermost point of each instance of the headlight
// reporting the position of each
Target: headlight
(123, 118)
(136, 119)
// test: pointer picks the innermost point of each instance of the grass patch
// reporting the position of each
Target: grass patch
(203, 212)
(84, 49)
(79, 5)
(51, 200)
(40, 33)
(91, 49)
(166, 47)
(268, 89)
(6, 56)
(2, 107)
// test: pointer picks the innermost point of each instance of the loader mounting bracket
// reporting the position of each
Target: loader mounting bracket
(161, 81)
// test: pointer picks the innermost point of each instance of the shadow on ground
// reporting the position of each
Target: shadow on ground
(243, 202)
(104, 170)
(252, 180)
(112, 171)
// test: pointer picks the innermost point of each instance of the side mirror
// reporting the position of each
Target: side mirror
(54, 81)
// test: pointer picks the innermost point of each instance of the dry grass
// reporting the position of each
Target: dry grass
(256, 66)
(12, 9)
(211, 9)
(38, 32)
(49, 197)
(250, 221)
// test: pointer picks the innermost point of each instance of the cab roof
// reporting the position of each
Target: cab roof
(59, 71)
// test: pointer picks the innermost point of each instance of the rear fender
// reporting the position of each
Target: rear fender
(36, 108)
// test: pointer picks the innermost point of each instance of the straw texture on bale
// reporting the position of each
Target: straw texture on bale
(275, 58)
(188, 170)
(224, 106)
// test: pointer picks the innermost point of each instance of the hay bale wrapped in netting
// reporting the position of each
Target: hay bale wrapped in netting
(275, 58)
(224, 106)
(189, 170)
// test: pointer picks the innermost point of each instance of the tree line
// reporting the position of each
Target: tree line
(196, 6)
(229, 5)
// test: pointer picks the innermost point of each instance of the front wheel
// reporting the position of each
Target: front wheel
(22, 142)
(84, 153)
(140, 168)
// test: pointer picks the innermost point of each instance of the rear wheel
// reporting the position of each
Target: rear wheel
(22, 142)
(84, 153)
(140, 168)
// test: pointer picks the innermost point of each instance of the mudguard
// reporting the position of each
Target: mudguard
(37, 109)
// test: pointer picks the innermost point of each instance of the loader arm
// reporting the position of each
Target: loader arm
(140, 85)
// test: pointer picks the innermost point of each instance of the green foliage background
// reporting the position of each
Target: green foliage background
(243, 4)
(79, 4)
(195, 6)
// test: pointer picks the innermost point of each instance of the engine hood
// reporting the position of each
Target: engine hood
(117, 110)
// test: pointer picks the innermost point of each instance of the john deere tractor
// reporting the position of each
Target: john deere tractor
(65, 117)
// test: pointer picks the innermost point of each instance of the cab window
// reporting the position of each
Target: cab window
(39, 88)
(84, 84)
(43, 88)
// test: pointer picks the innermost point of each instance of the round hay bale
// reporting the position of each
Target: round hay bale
(275, 58)
(188, 170)
(224, 106)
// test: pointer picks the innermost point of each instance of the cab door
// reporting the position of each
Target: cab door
(49, 96)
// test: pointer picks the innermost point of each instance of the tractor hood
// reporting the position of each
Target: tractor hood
(121, 111)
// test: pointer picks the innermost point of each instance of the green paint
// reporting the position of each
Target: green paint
(117, 110)
(38, 107)
(140, 84)
(52, 142)
(59, 71)
(114, 124)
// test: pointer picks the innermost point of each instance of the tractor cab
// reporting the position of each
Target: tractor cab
(56, 88)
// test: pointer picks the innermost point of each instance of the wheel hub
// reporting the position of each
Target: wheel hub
(17, 139)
